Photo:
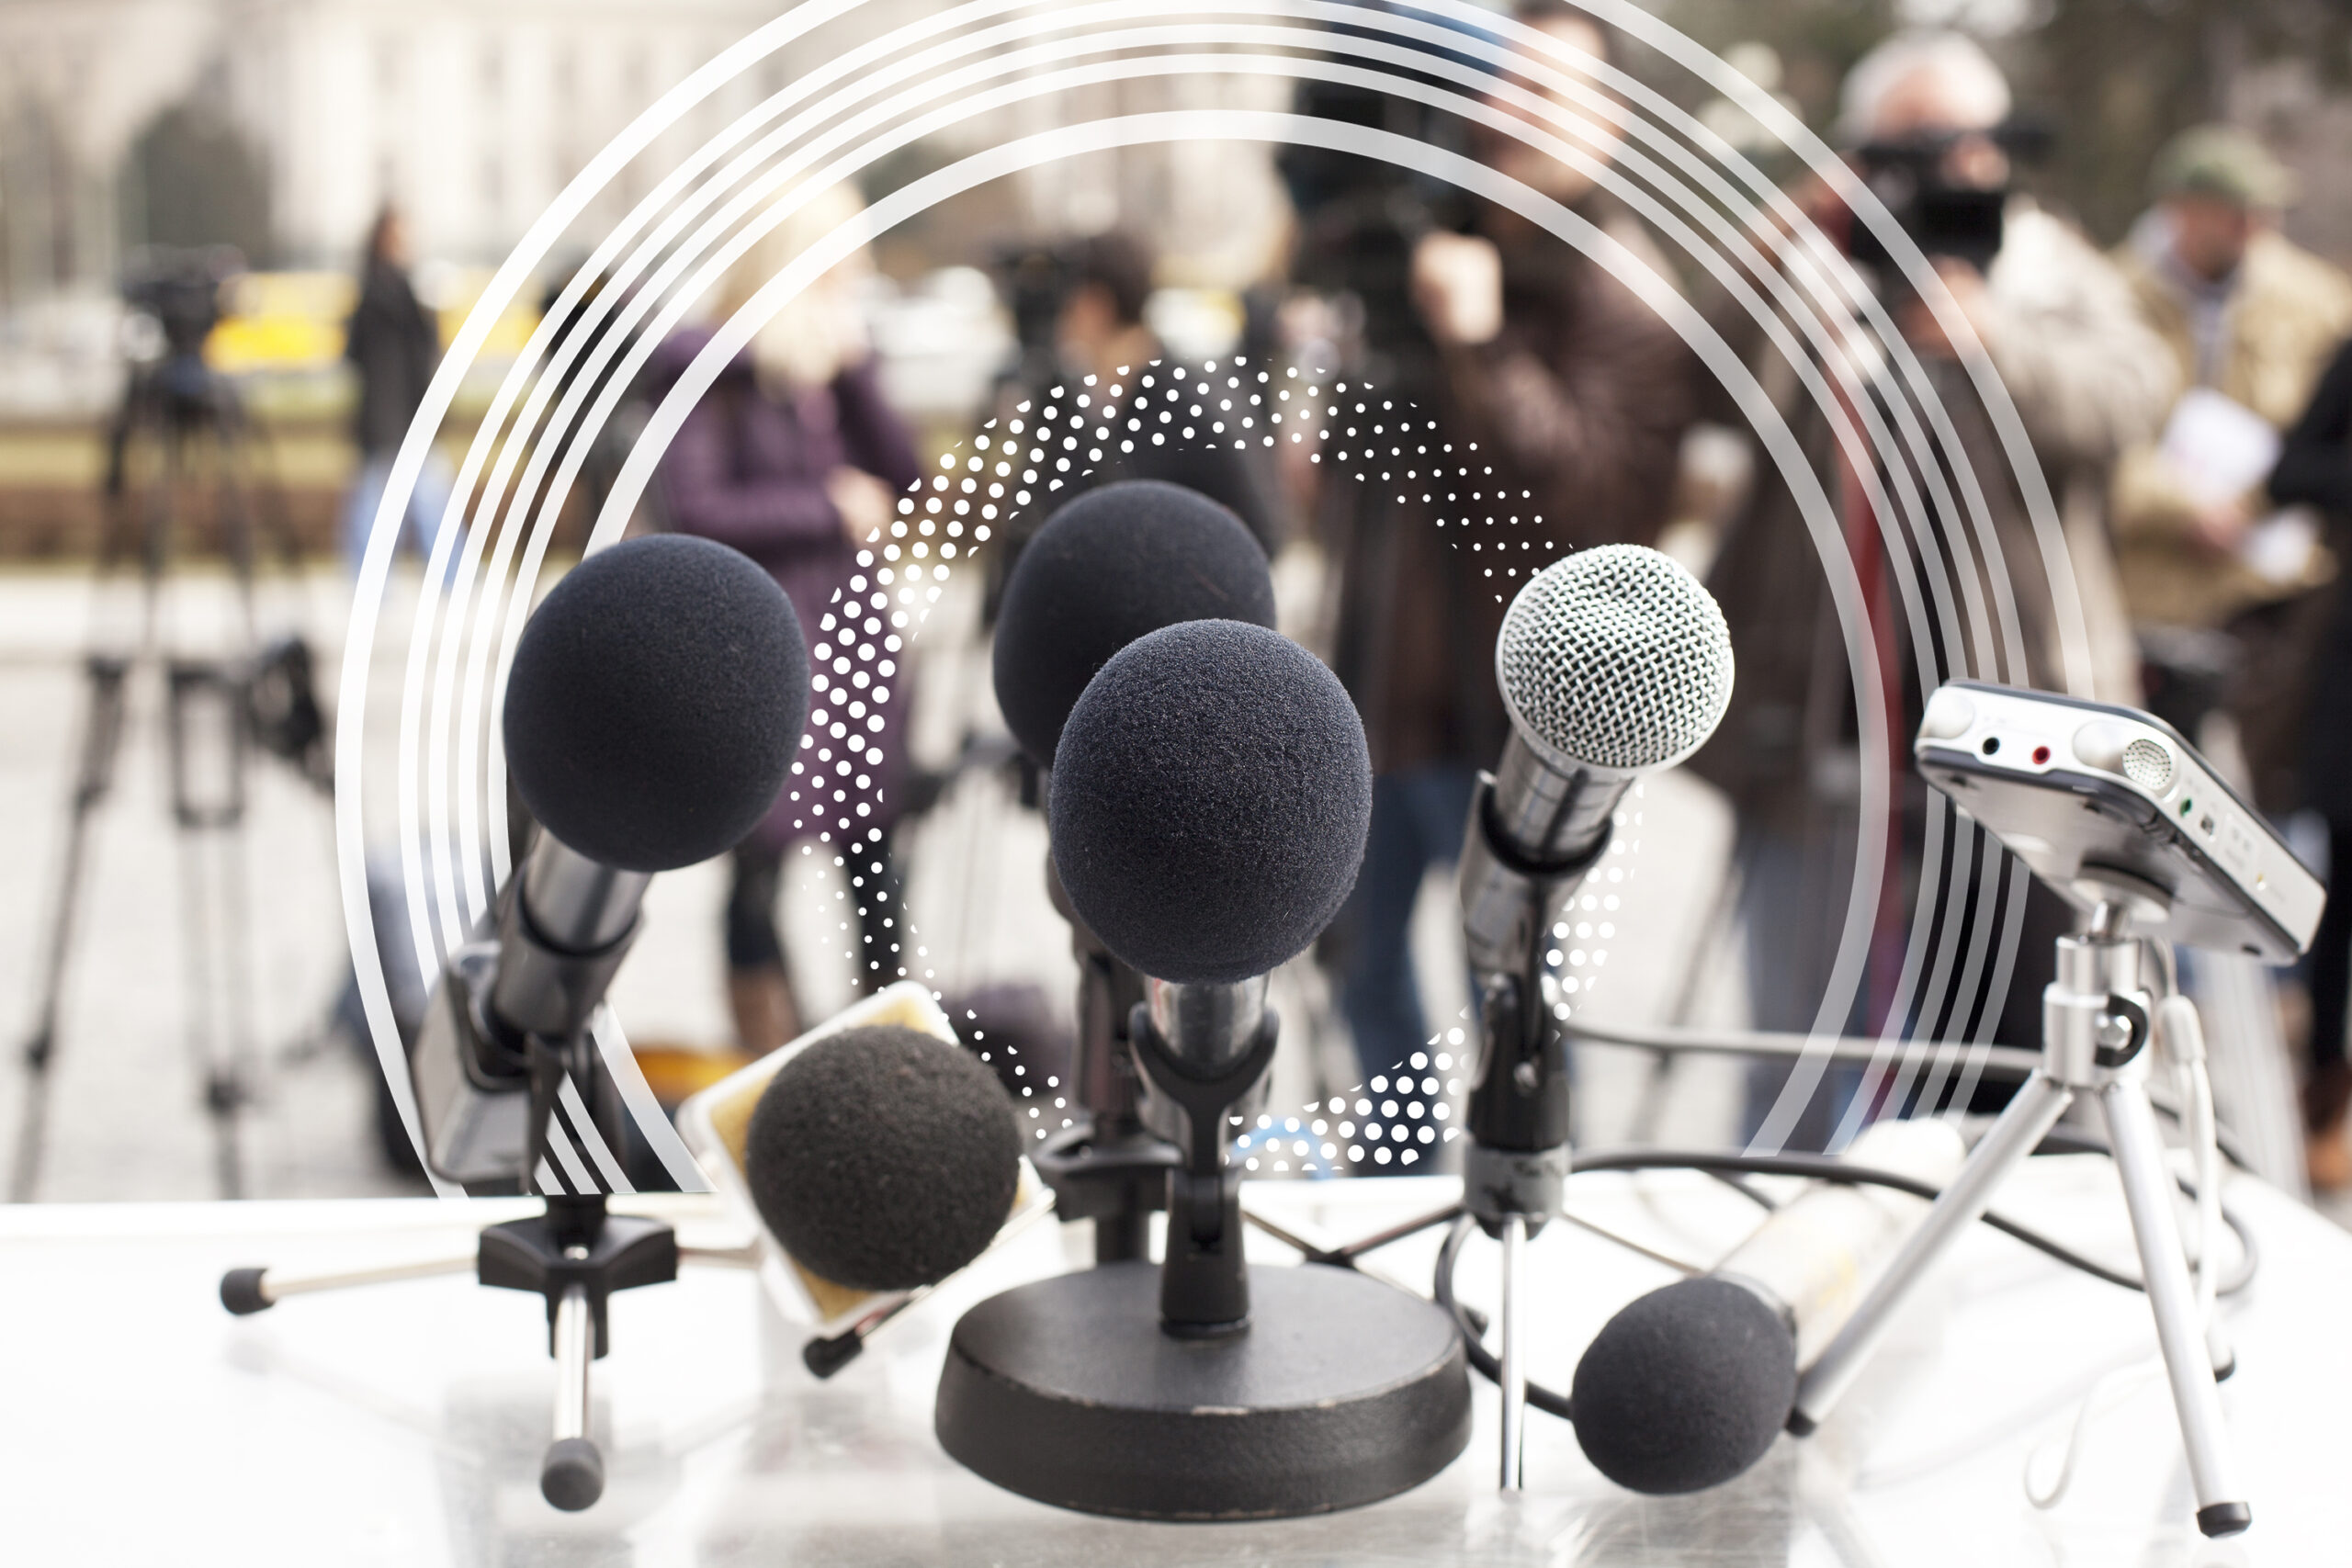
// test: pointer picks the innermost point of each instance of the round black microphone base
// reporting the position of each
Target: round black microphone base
(1341, 1391)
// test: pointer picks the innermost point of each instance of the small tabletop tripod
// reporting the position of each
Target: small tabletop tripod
(576, 1252)
(2097, 1019)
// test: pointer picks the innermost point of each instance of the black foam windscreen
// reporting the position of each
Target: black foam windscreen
(883, 1158)
(1210, 801)
(1685, 1388)
(655, 700)
(1111, 566)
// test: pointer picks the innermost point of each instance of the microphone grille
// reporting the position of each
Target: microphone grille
(1615, 658)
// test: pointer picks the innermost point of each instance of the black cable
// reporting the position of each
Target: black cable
(1821, 1168)
(1746, 1190)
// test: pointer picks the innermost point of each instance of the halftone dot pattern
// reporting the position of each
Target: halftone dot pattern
(1061, 438)
(876, 81)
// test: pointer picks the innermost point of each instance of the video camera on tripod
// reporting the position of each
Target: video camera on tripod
(179, 290)
(1940, 195)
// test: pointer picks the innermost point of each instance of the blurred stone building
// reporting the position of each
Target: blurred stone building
(281, 125)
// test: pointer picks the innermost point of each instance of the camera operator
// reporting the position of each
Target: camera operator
(1927, 112)
(1577, 396)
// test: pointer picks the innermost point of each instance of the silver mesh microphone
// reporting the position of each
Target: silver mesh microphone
(1612, 662)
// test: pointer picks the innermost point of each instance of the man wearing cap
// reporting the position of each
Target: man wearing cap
(2252, 318)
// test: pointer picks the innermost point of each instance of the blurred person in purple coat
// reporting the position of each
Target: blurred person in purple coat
(792, 457)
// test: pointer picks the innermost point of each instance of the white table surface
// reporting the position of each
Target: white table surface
(403, 1424)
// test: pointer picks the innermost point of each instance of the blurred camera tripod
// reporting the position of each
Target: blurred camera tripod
(179, 425)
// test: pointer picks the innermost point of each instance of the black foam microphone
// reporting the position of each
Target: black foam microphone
(656, 698)
(1111, 566)
(1212, 794)
(883, 1158)
(1687, 1386)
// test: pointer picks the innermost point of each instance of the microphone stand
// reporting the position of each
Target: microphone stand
(575, 1252)
(1106, 1166)
(1202, 1387)
(2096, 1022)
(1517, 1164)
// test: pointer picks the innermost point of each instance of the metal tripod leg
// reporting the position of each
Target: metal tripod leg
(2147, 1191)
(101, 746)
(572, 1475)
(248, 1291)
(1513, 1380)
(2040, 1101)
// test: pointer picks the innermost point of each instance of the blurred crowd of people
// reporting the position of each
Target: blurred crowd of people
(2186, 398)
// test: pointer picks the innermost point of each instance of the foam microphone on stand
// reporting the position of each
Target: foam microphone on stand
(1211, 793)
(653, 708)
(654, 703)
(1111, 566)
(1687, 1386)
(1612, 662)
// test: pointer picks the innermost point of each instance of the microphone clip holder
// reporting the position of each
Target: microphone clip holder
(1204, 1282)
(491, 1056)
(1106, 1167)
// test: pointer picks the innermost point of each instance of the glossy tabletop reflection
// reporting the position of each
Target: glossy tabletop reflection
(403, 1424)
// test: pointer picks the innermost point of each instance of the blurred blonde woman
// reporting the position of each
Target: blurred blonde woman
(794, 458)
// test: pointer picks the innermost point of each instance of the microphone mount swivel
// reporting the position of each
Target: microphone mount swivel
(1203, 1283)
(1106, 1167)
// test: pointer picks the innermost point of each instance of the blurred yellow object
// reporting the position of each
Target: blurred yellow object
(294, 320)
(281, 320)
(455, 291)
(676, 1072)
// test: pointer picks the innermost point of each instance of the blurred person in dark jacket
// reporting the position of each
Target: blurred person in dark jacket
(1103, 333)
(2316, 469)
(794, 458)
(394, 344)
(2087, 378)
(1088, 355)
(1577, 395)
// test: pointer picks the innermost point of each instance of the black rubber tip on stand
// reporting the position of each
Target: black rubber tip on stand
(2224, 1519)
(823, 1357)
(573, 1476)
(241, 1291)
